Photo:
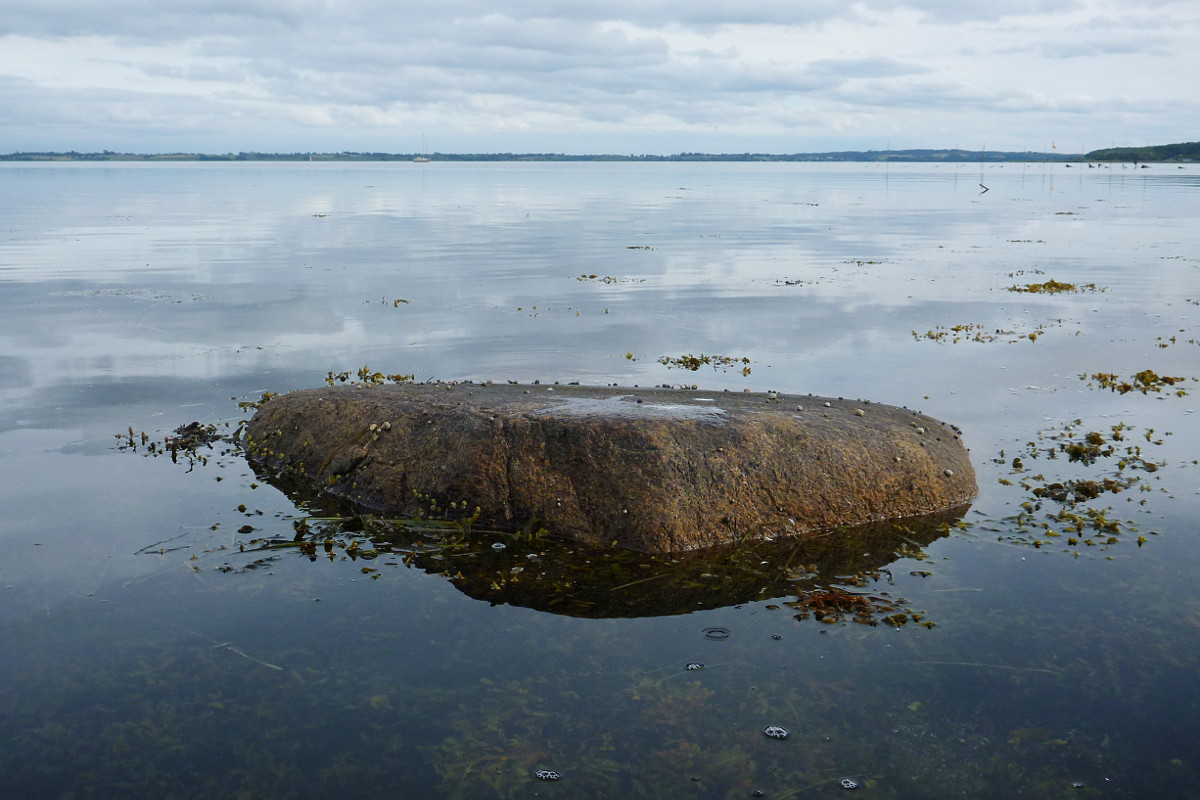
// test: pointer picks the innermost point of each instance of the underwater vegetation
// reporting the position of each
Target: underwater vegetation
(832, 605)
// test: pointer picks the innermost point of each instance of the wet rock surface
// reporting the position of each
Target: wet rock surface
(656, 470)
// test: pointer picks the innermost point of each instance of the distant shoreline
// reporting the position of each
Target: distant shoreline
(1176, 153)
(930, 156)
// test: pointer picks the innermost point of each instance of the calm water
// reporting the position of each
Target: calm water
(150, 649)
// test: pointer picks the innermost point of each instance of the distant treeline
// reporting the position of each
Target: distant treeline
(949, 156)
(1184, 151)
(1188, 151)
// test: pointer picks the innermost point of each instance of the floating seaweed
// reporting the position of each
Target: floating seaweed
(1056, 287)
(694, 363)
(1163, 342)
(974, 332)
(1146, 381)
(254, 405)
(365, 375)
(184, 442)
(609, 279)
(1124, 467)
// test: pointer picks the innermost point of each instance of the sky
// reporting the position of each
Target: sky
(592, 76)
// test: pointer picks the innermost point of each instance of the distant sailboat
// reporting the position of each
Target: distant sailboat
(422, 158)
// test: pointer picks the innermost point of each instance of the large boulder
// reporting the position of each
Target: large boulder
(656, 470)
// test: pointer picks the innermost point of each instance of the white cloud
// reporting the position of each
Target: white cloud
(1099, 47)
(619, 76)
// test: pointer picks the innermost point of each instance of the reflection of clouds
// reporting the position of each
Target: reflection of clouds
(14, 372)
(214, 272)
(141, 296)
(82, 334)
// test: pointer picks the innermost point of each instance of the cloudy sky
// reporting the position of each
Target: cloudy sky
(592, 76)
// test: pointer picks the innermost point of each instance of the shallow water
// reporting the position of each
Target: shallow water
(152, 650)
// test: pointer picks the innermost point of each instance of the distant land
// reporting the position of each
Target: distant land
(1184, 152)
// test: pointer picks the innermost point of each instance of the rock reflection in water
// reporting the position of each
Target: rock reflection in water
(834, 577)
